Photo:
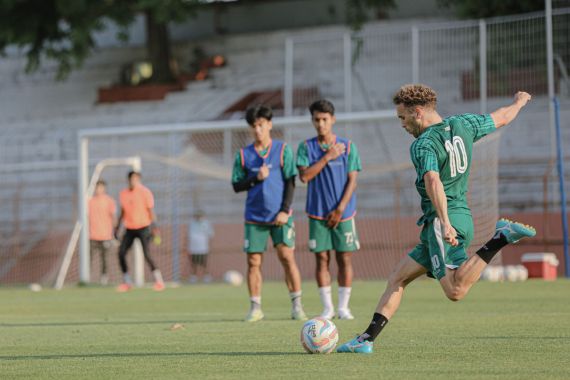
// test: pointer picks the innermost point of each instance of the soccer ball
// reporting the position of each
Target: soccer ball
(511, 273)
(319, 336)
(492, 273)
(523, 272)
(35, 287)
(233, 277)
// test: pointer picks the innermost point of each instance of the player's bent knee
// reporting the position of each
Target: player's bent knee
(455, 294)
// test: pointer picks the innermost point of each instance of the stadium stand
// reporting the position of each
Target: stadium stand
(39, 120)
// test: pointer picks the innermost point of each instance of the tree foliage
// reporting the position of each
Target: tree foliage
(63, 30)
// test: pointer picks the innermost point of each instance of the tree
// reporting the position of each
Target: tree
(158, 14)
(63, 30)
(491, 8)
(56, 29)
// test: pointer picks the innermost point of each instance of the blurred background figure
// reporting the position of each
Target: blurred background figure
(102, 211)
(139, 219)
(200, 232)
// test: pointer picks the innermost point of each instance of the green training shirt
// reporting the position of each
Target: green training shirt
(446, 148)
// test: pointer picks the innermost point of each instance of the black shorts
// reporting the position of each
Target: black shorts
(200, 260)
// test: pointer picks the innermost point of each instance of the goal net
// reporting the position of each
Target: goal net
(188, 168)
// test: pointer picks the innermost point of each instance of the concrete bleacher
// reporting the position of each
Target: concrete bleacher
(38, 112)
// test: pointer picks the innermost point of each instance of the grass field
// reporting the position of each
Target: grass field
(501, 330)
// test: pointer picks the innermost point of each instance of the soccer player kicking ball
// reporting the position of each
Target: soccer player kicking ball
(441, 155)
(330, 165)
(266, 170)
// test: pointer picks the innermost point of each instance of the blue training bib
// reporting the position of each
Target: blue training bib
(264, 199)
(326, 189)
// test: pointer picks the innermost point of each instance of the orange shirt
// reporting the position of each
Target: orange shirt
(135, 204)
(102, 209)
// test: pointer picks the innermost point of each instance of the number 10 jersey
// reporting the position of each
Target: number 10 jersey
(446, 148)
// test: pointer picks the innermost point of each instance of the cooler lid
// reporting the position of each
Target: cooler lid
(547, 257)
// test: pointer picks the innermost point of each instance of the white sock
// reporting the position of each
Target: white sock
(326, 298)
(126, 278)
(157, 276)
(255, 302)
(296, 299)
(343, 297)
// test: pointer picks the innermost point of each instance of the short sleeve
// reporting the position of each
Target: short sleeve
(354, 163)
(424, 157)
(478, 125)
(238, 172)
(289, 168)
(303, 155)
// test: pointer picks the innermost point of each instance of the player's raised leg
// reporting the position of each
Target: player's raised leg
(292, 279)
(405, 272)
(254, 281)
(456, 283)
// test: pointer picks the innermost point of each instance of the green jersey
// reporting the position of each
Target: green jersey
(446, 148)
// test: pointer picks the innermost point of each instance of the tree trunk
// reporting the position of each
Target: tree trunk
(158, 49)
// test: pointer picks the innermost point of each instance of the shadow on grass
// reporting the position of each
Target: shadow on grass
(144, 355)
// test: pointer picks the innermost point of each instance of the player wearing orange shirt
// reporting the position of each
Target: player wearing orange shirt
(139, 219)
(102, 210)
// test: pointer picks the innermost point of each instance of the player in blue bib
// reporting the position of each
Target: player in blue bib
(266, 170)
(329, 165)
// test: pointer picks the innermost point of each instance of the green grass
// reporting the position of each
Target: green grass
(501, 330)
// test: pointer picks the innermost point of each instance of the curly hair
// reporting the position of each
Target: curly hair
(411, 95)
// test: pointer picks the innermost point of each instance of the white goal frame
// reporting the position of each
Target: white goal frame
(135, 163)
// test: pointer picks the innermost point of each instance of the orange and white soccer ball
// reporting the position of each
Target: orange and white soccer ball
(319, 336)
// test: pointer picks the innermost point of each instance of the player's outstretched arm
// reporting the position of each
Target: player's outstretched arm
(505, 115)
(436, 193)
